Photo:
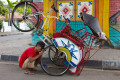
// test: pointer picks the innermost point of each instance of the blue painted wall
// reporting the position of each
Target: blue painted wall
(77, 25)
(35, 38)
(114, 37)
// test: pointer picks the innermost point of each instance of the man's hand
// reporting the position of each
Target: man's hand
(41, 52)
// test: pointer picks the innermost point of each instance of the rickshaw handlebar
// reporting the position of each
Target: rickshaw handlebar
(53, 7)
(66, 19)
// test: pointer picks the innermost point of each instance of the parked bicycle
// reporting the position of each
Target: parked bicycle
(67, 49)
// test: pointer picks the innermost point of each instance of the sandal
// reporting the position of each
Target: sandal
(26, 72)
(31, 73)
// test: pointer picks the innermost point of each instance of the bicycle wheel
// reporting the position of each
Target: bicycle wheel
(24, 17)
(49, 62)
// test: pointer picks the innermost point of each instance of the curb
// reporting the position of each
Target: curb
(111, 65)
(9, 58)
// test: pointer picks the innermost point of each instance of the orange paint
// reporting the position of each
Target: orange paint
(54, 25)
(97, 8)
(101, 13)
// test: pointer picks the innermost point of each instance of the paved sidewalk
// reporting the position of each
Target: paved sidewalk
(104, 59)
(10, 71)
(2, 34)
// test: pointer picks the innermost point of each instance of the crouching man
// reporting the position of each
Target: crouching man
(30, 57)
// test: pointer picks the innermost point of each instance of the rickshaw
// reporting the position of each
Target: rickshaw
(68, 50)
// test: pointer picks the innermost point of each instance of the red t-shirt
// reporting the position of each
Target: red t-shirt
(30, 52)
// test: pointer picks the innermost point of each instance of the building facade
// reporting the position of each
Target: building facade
(107, 12)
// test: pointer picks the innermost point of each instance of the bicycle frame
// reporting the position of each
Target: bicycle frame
(46, 36)
(93, 38)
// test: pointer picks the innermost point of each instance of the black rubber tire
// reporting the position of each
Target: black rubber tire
(66, 69)
(20, 5)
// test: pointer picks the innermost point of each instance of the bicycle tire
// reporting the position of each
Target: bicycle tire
(30, 22)
(52, 72)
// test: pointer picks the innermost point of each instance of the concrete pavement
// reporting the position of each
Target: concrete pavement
(12, 37)
(9, 71)
(11, 50)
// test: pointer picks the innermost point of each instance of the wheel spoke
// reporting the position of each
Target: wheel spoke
(25, 9)
(29, 23)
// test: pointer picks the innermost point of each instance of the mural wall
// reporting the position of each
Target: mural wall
(114, 19)
(107, 12)
(71, 9)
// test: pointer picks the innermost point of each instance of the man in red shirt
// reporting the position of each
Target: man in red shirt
(30, 57)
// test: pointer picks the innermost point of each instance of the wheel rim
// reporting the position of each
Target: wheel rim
(50, 67)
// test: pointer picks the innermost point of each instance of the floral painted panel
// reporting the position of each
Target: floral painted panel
(86, 7)
(66, 9)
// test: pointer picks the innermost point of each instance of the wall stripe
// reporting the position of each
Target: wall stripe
(106, 17)
(54, 25)
(46, 8)
(101, 13)
(97, 8)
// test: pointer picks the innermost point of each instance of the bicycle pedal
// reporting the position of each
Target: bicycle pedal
(45, 66)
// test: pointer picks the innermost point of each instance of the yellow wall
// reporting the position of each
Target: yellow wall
(101, 13)
(46, 8)
(104, 16)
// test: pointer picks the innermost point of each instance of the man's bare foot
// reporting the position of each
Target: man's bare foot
(29, 72)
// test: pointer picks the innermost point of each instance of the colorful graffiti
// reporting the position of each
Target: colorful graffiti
(114, 21)
(107, 12)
